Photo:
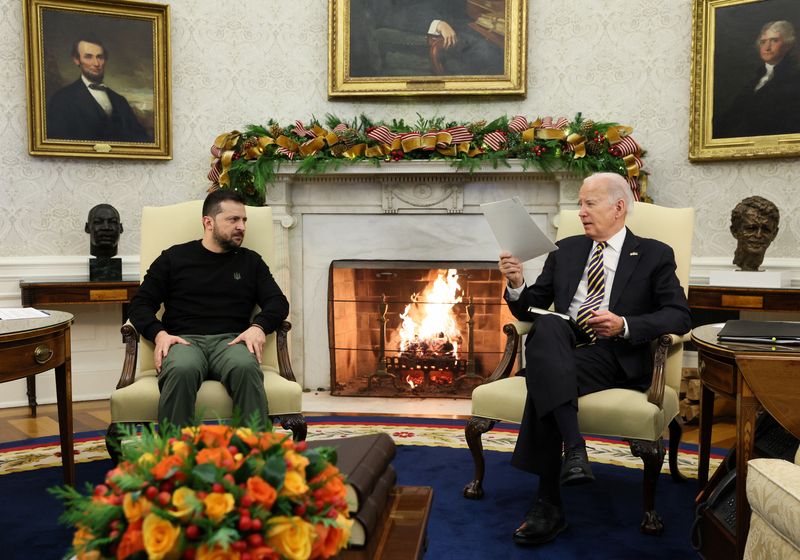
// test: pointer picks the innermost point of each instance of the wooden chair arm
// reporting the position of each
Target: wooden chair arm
(655, 394)
(513, 332)
(282, 343)
(130, 338)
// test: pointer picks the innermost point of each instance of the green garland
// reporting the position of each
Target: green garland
(248, 161)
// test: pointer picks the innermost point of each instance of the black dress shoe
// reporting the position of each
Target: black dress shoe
(542, 524)
(576, 469)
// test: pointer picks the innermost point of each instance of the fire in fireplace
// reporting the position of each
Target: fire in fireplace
(414, 328)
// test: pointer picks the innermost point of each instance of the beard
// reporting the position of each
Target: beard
(228, 242)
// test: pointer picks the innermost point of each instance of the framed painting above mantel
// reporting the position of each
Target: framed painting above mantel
(422, 47)
(745, 80)
(98, 78)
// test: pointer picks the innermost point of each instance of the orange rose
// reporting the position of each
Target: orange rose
(216, 553)
(248, 436)
(218, 456)
(330, 484)
(268, 439)
(217, 505)
(80, 540)
(330, 539)
(215, 436)
(160, 538)
(181, 449)
(165, 467)
(294, 485)
(263, 553)
(290, 537)
(261, 491)
(132, 541)
(134, 511)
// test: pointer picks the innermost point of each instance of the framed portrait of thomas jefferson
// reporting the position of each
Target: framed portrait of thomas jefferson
(426, 47)
(98, 78)
(745, 79)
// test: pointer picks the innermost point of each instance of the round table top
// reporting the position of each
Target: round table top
(53, 319)
(706, 335)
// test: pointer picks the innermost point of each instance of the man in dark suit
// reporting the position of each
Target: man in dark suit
(465, 50)
(623, 292)
(770, 103)
(88, 109)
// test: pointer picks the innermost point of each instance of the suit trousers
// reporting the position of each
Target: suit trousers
(557, 373)
(209, 357)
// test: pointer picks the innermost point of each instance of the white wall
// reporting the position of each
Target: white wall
(243, 62)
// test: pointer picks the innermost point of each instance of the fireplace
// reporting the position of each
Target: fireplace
(414, 328)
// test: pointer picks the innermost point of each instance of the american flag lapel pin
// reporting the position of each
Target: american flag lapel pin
(634, 253)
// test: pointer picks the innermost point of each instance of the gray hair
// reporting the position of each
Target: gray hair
(785, 28)
(616, 187)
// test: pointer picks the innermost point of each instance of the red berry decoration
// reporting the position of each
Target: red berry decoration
(151, 493)
(256, 524)
(193, 532)
(255, 540)
(218, 488)
(245, 524)
(164, 498)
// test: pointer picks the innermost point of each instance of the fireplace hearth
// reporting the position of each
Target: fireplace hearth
(414, 328)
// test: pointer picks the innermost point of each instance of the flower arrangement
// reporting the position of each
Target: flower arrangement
(212, 492)
(247, 161)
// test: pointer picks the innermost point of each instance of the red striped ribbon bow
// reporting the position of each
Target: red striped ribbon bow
(460, 134)
(382, 134)
(518, 124)
(300, 130)
(625, 147)
(495, 140)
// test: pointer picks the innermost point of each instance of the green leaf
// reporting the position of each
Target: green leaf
(206, 472)
(274, 470)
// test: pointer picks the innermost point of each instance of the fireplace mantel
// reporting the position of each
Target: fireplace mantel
(399, 210)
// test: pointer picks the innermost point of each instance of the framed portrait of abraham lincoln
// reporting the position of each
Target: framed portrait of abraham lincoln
(98, 78)
(745, 79)
(426, 47)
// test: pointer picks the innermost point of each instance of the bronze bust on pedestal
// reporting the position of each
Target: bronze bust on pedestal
(754, 224)
(104, 228)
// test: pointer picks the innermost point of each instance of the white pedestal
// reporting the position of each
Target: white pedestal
(750, 278)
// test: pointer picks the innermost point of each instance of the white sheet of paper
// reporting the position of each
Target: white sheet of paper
(515, 230)
(21, 313)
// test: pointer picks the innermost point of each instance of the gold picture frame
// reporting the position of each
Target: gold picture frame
(421, 47)
(98, 78)
(737, 111)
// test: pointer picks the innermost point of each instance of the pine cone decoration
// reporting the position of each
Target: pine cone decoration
(477, 126)
(587, 127)
(349, 137)
(275, 130)
(594, 148)
(338, 149)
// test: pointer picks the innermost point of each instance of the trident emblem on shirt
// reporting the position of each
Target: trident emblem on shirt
(237, 276)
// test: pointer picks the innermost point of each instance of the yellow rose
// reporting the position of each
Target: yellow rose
(160, 538)
(296, 462)
(185, 502)
(291, 537)
(294, 484)
(79, 542)
(181, 449)
(135, 510)
(346, 526)
(217, 505)
(216, 553)
(146, 460)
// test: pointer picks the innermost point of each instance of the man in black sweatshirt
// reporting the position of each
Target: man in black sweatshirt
(209, 289)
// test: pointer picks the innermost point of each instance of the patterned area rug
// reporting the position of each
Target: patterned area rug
(405, 431)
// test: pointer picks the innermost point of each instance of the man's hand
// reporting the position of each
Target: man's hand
(511, 268)
(254, 338)
(606, 324)
(163, 342)
(447, 33)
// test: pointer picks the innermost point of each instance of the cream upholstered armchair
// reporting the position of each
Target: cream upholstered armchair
(135, 400)
(639, 418)
(773, 491)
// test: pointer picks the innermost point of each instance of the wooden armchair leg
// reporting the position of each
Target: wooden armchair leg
(297, 424)
(675, 434)
(652, 454)
(473, 431)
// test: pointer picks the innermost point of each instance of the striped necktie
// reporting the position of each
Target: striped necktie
(596, 283)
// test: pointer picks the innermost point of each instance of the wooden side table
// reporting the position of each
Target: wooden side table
(754, 375)
(61, 292)
(727, 298)
(31, 346)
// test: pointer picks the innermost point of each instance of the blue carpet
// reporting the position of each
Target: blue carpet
(603, 517)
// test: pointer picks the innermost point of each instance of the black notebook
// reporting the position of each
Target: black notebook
(763, 332)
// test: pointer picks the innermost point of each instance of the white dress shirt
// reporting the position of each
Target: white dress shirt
(100, 96)
(611, 256)
(766, 77)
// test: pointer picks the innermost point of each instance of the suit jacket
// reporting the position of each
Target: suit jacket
(73, 114)
(646, 292)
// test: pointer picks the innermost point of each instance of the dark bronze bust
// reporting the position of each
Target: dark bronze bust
(754, 224)
(104, 227)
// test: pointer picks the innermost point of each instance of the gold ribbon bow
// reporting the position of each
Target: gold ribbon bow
(578, 144)
(226, 143)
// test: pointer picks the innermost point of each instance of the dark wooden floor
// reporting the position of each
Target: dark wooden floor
(16, 423)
